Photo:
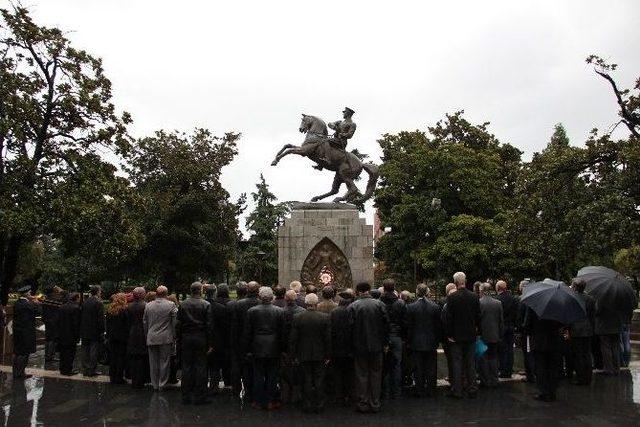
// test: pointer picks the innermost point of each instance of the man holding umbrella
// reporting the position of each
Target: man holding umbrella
(580, 334)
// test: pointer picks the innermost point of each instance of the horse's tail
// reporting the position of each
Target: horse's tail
(372, 170)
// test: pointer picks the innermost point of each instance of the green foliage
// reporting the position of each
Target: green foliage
(258, 256)
(189, 223)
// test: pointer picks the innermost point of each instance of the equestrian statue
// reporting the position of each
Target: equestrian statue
(329, 152)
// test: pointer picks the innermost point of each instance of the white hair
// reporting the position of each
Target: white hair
(265, 294)
(295, 285)
(311, 299)
(460, 279)
(485, 288)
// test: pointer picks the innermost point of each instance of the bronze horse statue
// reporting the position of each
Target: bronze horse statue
(347, 166)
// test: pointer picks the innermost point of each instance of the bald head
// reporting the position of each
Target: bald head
(501, 286)
(290, 296)
(139, 292)
(450, 288)
(162, 292)
(252, 288)
(295, 286)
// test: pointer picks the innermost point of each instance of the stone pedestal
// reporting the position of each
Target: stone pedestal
(325, 237)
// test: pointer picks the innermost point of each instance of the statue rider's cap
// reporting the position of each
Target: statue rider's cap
(348, 110)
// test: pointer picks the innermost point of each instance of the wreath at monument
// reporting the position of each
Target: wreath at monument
(326, 276)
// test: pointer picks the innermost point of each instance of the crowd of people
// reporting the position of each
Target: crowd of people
(274, 346)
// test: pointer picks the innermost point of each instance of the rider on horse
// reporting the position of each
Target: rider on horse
(344, 130)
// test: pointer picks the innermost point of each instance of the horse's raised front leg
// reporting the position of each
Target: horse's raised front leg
(283, 152)
(335, 187)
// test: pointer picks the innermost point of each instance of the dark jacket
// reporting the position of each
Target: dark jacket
(311, 336)
(545, 334)
(69, 319)
(370, 324)
(491, 319)
(279, 302)
(195, 318)
(24, 327)
(584, 327)
(509, 308)
(50, 310)
(221, 318)
(608, 321)
(118, 327)
(92, 324)
(137, 341)
(396, 310)
(423, 323)
(264, 331)
(240, 309)
(289, 311)
(463, 315)
(341, 330)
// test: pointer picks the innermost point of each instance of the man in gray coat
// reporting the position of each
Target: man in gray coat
(159, 327)
(491, 327)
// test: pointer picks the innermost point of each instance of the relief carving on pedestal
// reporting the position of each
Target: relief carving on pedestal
(326, 265)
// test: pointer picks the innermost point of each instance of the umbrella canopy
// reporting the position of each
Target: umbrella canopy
(610, 288)
(553, 300)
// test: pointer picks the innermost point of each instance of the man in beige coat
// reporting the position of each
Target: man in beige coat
(159, 328)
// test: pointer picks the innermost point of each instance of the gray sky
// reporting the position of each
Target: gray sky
(254, 66)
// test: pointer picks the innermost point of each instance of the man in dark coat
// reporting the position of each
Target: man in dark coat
(608, 325)
(194, 328)
(580, 334)
(463, 318)
(24, 331)
(279, 292)
(235, 357)
(424, 333)
(264, 344)
(137, 341)
(290, 378)
(219, 358)
(370, 335)
(341, 349)
(491, 327)
(392, 371)
(525, 339)
(239, 318)
(50, 307)
(69, 319)
(310, 344)
(545, 345)
(510, 315)
(92, 331)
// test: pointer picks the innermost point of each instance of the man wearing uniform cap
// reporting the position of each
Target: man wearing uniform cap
(344, 130)
(24, 331)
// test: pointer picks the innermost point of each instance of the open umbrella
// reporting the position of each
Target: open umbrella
(553, 300)
(610, 288)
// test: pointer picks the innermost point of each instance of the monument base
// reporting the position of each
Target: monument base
(325, 242)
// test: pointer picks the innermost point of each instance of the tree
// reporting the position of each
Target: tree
(262, 224)
(189, 223)
(435, 187)
(55, 110)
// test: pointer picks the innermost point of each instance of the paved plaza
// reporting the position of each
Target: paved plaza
(46, 400)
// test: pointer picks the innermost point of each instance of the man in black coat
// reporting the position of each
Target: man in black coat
(219, 358)
(463, 318)
(525, 339)
(290, 378)
(24, 331)
(370, 334)
(580, 334)
(235, 358)
(264, 345)
(92, 331)
(392, 371)
(424, 333)
(510, 314)
(194, 328)
(240, 310)
(69, 318)
(341, 348)
(310, 344)
(50, 307)
(546, 347)
(137, 341)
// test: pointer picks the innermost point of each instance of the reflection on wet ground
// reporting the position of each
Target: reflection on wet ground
(53, 402)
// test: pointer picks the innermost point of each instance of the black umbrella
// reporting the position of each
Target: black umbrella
(610, 288)
(553, 300)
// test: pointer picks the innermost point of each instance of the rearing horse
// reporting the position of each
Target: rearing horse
(346, 165)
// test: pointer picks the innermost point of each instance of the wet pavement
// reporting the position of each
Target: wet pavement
(44, 401)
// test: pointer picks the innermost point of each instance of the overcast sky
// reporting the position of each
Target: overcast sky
(254, 66)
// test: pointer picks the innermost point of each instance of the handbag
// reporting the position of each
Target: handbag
(481, 348)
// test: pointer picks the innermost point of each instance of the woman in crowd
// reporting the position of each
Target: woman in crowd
(117, 336)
